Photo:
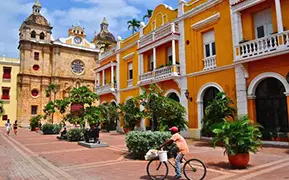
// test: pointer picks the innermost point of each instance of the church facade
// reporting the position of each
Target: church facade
(66, 62)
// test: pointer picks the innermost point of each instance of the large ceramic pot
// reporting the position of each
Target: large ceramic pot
(126, 130)
(239, 160)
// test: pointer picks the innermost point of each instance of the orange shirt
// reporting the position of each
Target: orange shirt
(181, 143)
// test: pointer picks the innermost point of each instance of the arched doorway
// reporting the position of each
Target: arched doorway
(174, 96)
(271, 106)
(209, 95)
(114, 116)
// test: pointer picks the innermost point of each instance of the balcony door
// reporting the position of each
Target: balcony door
(263, 23)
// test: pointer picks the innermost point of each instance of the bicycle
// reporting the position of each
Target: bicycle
(194, 166)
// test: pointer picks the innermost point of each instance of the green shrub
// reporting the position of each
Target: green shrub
(139, 143)
(75, 135)
(50, 129)
(35, 121)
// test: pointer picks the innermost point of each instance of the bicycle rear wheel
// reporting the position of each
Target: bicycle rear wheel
(157, 170)
(194, 169)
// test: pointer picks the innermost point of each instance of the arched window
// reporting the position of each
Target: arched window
(174, 96)
(42, 36)
(33, 34)
(209, 96)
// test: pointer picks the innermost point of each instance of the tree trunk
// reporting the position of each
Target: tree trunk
(54, 98)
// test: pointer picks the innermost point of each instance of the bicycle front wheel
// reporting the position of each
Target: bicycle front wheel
(157, 170)
(194, 169)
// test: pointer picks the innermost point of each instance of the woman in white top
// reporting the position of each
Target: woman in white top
(8, 127)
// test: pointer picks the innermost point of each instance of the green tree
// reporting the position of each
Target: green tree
(1, 108)
(109, 114)
(220, 109)
(82, 95)
(162, 111)
(134, 25)
(93, 115)
(49, 109)
(148, 14)
(131, 113)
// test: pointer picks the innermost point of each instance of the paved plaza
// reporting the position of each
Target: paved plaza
(32, 156)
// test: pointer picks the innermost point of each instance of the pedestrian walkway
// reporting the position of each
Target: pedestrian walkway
(34, 156)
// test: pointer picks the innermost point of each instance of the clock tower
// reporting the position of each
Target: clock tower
(66, 62)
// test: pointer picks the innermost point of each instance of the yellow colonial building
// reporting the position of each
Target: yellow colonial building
(9, 69)
(239, 47)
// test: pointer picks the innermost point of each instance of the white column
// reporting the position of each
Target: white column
(103, 76)
(111, 78)
(155, 58)
(279, 16)
(95, 79)
(237, 31)
(174, 51)
(98, 78)
(112, 74)
(241, 90)
(181, 7)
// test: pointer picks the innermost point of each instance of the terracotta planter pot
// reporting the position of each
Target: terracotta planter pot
(239, 160)
(126, 130)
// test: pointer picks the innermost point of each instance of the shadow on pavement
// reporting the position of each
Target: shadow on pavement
(224, 165)
(168, 177)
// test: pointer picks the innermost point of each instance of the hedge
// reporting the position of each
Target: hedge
(75, 135)
(50, 129)
(139, 143)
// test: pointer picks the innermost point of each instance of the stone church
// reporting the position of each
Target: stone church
(66, 62)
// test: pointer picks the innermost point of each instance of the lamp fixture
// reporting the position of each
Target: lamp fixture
(187, 94)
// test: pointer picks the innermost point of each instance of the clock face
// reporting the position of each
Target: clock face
(77, 40)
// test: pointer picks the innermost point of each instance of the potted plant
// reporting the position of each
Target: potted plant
(131, 115)
(34, 122)
(238, 138)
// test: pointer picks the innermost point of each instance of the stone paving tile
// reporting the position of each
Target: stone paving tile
(82, 157)
(108, 163)
(53, 147)
(275, 175)
(15, 166)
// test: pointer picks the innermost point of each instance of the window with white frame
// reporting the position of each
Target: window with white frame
(263, 23)
(209, 44)
(151, 59)
(130, 71)
(169, 55)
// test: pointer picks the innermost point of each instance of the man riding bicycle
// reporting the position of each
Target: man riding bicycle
(180, 150)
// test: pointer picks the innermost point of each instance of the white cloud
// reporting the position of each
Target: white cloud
(89, 15)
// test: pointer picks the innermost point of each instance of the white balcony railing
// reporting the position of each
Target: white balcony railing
(146, 76)
(160, 74)
(105, 89)
(129, 82)
(263, 46)
(210, 63)
(158, 34)
(107, 53)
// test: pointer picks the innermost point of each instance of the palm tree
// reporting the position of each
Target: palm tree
(149, 14)
(133, 24)
(51, 89)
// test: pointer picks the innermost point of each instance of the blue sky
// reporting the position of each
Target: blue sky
(62, 14)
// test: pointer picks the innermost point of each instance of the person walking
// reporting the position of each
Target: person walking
(15, 127)
(8, 127)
